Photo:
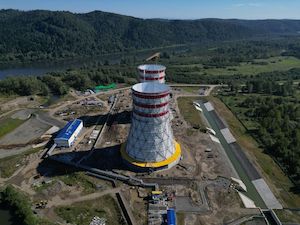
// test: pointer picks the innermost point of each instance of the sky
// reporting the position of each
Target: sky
(170, 9)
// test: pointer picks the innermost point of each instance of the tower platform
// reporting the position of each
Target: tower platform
(146, 166)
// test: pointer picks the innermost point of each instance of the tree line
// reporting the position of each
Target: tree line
(278, 130)
(19, 205)
(58, 83)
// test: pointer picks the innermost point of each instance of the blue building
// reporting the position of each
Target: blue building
(69, 133)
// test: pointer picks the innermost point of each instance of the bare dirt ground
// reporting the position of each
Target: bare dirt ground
(80, 109)
(17, 103)
(231, 208)
(136, 201)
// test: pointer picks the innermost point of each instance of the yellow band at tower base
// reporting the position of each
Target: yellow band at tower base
(170, 160)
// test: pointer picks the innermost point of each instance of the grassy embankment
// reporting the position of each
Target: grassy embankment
(80, 179)
(76, 179)
(188, 111)
(278, 181)
(287, 216)
(82, 213)
(180, 218)
(9, 164)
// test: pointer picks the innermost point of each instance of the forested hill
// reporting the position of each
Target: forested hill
(41, 34)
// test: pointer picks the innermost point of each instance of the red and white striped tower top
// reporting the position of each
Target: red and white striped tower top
(150, 100)
(152, 73)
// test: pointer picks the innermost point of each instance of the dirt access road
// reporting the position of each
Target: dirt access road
(56, 201)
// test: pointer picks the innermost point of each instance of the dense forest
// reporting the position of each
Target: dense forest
(42, 35)
(279, 129)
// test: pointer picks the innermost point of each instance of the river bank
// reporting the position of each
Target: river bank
(6, 217)
(54, 65)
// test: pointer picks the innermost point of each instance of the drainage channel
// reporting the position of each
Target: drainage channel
(251, 190)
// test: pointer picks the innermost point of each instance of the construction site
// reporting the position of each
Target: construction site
(137, 146)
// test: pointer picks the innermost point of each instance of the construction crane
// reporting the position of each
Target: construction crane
(154, 57)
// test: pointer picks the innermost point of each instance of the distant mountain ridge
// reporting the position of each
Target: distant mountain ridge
(43, 34)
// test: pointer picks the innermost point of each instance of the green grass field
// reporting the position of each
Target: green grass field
(280, 63)
(79, 178)
(193, 90)
(275, 177)
(188, 111)
(83, 212)
(8, 124)
(273, 64)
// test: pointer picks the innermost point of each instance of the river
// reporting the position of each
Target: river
(41, 68)
(5, 217)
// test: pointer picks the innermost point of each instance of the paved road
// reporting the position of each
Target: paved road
(258, 189)
(44, 118)
(110, 92)
(239, 167)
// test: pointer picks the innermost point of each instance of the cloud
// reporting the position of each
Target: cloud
(248, 4)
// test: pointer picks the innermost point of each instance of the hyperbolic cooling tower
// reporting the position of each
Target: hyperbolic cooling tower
(152, 73)
(150, 141)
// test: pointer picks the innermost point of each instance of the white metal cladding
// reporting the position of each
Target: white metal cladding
(150, 138)
(63, 142)
(150, 88)
(152, 73)
(150, 142)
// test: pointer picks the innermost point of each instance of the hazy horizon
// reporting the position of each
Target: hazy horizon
(153, 18)
(175, 9)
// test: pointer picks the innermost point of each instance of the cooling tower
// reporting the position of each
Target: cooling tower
(150, 143)
(152, 73)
